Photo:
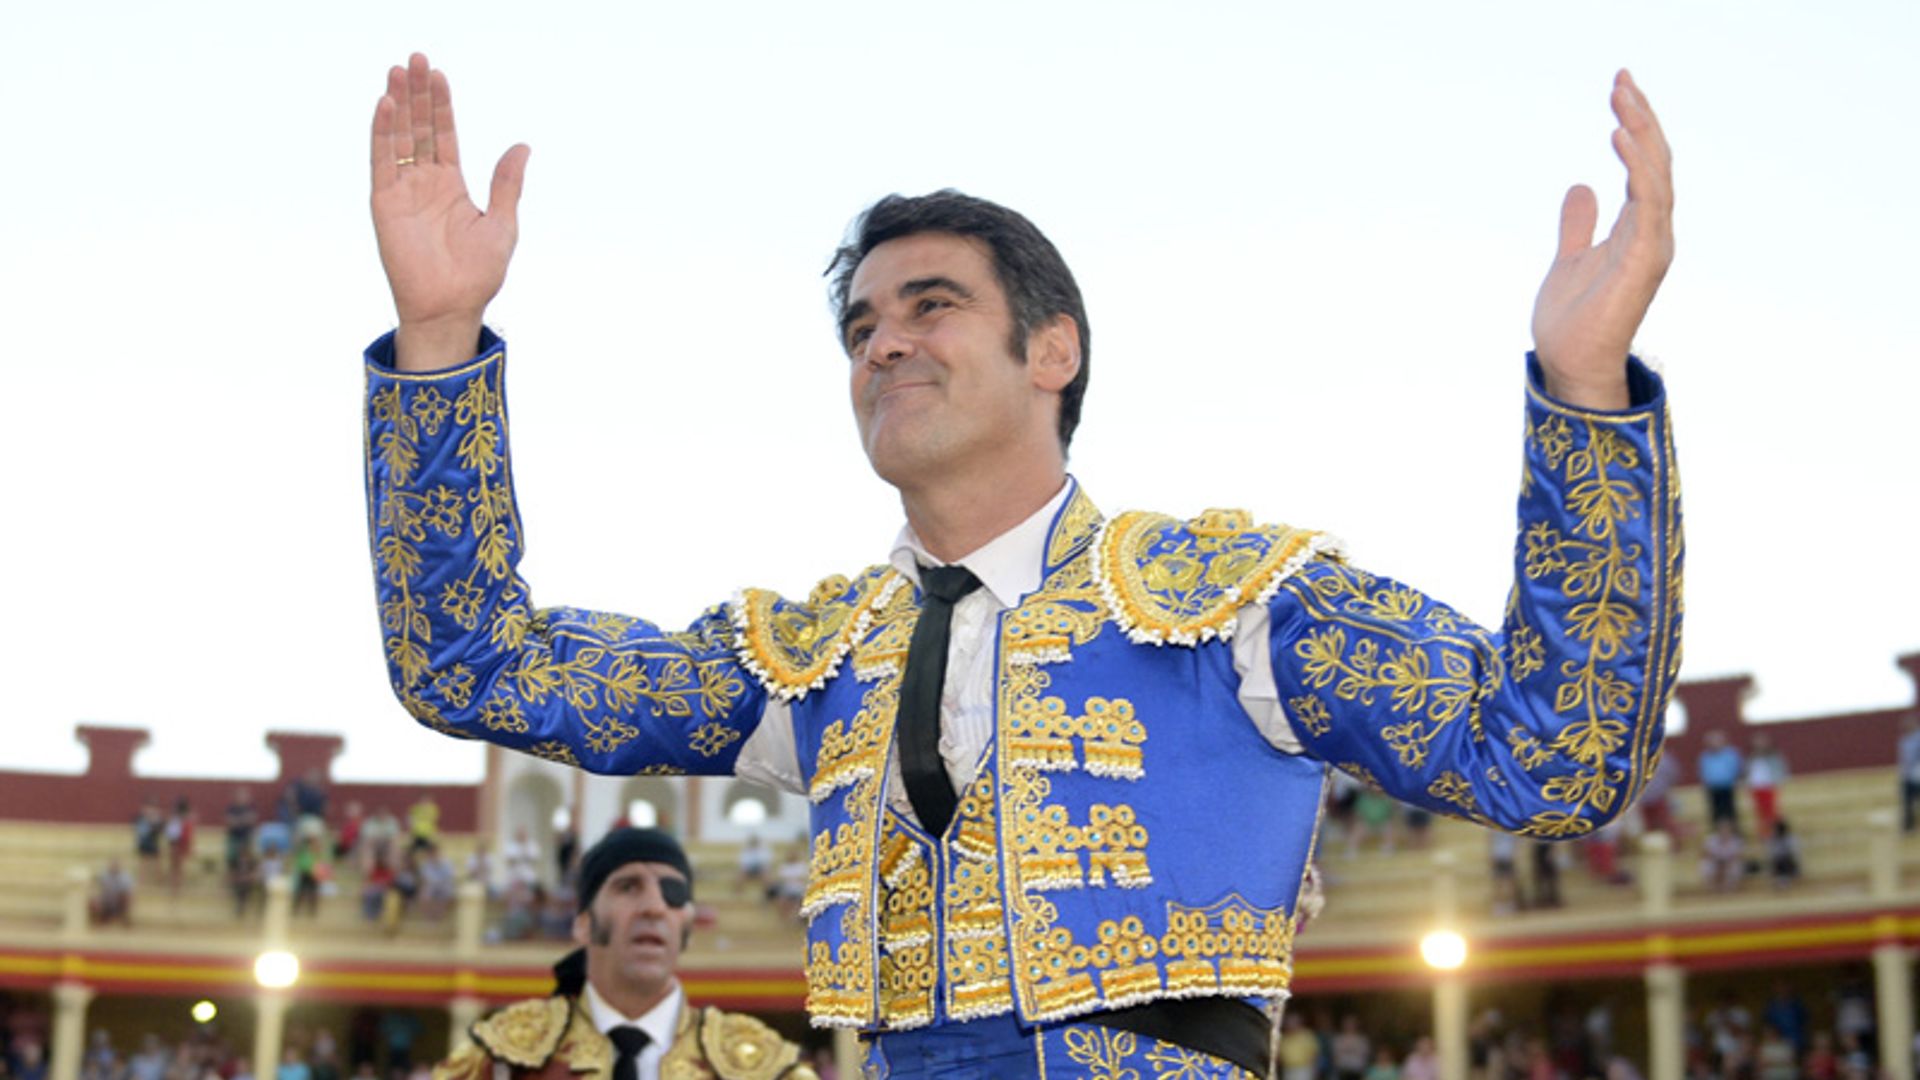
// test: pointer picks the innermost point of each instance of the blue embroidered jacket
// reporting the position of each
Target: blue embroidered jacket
(1090, 863)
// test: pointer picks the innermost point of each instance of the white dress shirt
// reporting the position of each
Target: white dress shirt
(659, 1024)
(1008, 567)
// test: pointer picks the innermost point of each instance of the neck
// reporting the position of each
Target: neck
(633, 1002)
(959, 516)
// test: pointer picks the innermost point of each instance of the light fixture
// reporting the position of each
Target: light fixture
(276, 970)
(1444, 950)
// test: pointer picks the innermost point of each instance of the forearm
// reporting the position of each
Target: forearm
(468, 653)
(1550, 727)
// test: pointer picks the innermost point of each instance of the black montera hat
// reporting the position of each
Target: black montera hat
(629, 845)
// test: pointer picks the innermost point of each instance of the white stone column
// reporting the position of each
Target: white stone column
(462, 1011)
(74, 923)
(1449, 988)
(269, 1030)
(848, 1055)
(70, 1000)
(1656, 875)
(278, 915)
(469, 919)
(1666, 1021)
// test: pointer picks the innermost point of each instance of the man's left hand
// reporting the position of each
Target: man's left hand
(1595, 295)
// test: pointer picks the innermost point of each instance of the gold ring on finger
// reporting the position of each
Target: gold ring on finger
(404, 161)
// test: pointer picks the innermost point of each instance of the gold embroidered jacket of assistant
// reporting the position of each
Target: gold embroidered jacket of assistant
(553, 1038)
(1129, 835)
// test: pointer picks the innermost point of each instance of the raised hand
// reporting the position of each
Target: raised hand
(1595, 295)
(445, 259)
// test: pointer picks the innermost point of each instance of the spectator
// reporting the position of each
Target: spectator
(29, 1061)
(1422, 1063)
(307, 872)
(1352, 1051)
(1783, 855)
(480, 869)
(1723, 858)
(522, 857)
(1383, 1067)
(151, 1062)
(566, 847)
(400, 895)
(520, 919)
(1821, 1062)
(1375, 813)
(243, 880)
(1766, 771)
(437, 884)
(112, 896)
(1603, 853)
(308, 796)
(1343, 798)
(1299, 1049)
(790, 882)
(373, 893)
(557, 912)
(274, 836)
(1546, 875)
(1720, 768)
(346, 841)
(754, 863)
(379, 838)
(293, 1066)
(423, 823)
(325, 1056)
(1787, 1013)
(1505, 890)
(179, 839)
(1909, 769)
(1419, 824)
(242, 818)
(149, 831)
(400, 1030)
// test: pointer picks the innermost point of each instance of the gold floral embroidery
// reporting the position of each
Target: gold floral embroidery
(712, 737)
(1166, 581)
(1104, 1050)
(796, 649)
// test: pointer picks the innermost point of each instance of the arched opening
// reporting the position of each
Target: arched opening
(651, 802)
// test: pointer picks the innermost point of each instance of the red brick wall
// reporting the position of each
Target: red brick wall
(109, 791)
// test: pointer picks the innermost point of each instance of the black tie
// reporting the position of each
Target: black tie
(928, 787)
(629, 1041)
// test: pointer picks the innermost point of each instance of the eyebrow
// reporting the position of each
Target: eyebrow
(860, 309)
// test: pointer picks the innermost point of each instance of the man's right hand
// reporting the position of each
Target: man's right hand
(444, 259)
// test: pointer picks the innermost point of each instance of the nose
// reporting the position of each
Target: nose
(889, 344)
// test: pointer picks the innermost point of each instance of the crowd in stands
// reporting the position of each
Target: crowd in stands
(1742, 837)
(395, 866)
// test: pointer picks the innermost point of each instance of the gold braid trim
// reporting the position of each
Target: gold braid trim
(1181, 583)
(797, 650)
(526, 1033)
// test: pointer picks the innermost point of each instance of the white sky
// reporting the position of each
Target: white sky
(1309, 236)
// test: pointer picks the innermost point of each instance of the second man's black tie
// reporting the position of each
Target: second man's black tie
(628, 1041)
(928, 787)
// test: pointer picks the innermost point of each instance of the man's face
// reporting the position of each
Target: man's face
(632, 934)
(934, 381)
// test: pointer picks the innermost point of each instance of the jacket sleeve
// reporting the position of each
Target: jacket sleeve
(467, 651)
(1552, 726)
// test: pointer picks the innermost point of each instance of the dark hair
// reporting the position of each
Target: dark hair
(1029, 268)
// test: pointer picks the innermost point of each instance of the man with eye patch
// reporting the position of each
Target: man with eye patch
(617, 1010)
(1064, 770)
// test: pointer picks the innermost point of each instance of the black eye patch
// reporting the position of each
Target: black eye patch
(676, 892)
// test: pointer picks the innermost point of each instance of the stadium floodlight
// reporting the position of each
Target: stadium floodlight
(276, 970)
(1443, 950)
(203, 1011)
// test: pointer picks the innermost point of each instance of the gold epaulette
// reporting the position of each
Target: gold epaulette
(794, 648)
(526, 1033)
(470, 1062)
(1176, 582)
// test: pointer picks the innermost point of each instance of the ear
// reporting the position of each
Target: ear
(583, 929)
(1053, 353)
